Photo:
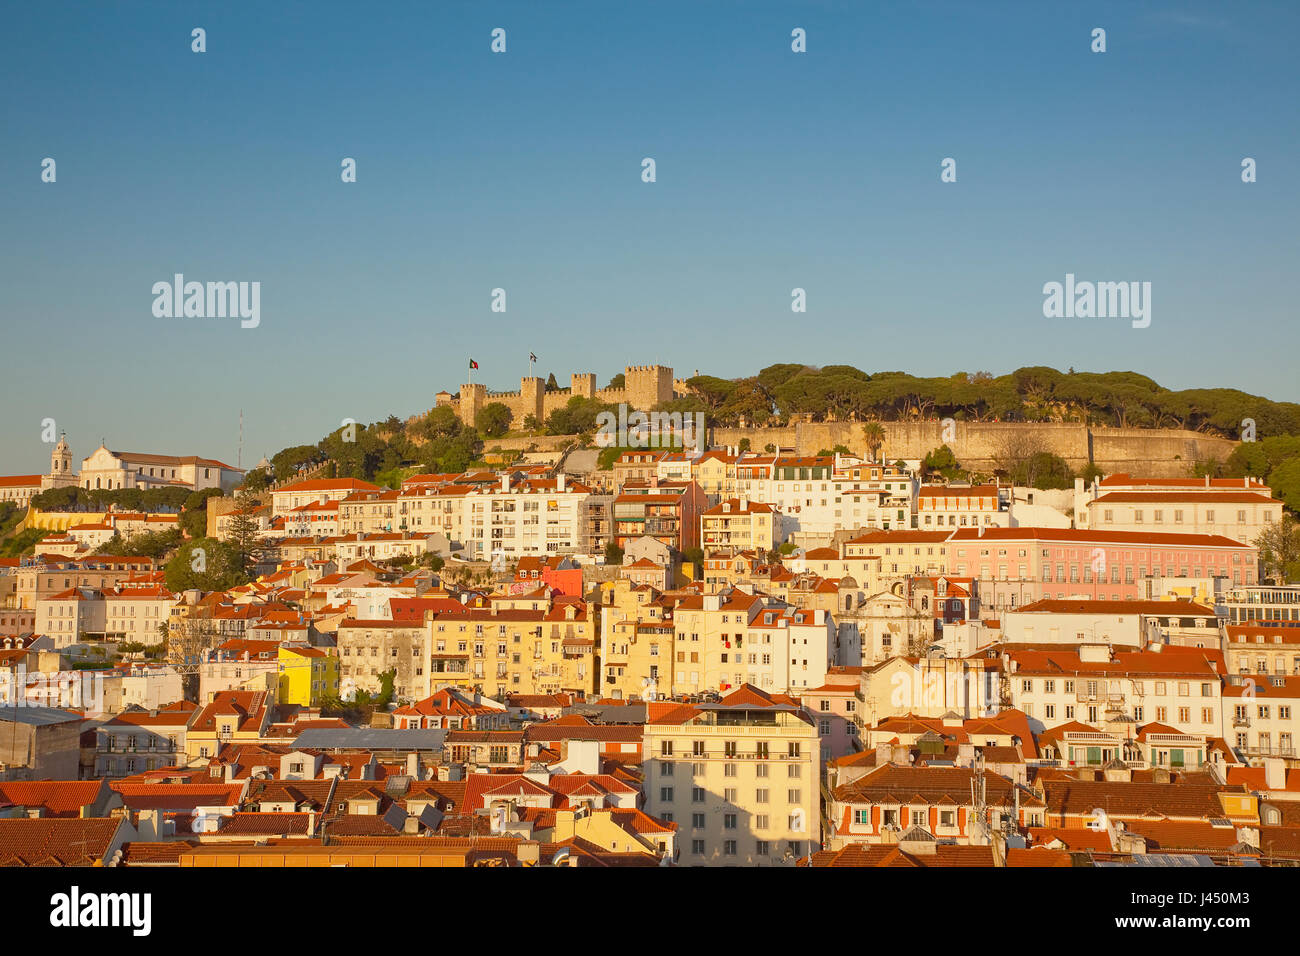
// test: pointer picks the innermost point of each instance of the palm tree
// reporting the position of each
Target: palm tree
(873, 433)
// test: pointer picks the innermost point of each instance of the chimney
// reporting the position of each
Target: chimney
(413, 765)
(559, 482)
(505, 482)
(150, 825)
(1275, 773)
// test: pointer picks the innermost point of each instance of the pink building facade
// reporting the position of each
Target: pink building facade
(1017, 566)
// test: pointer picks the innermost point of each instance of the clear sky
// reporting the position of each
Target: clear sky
(522, 171)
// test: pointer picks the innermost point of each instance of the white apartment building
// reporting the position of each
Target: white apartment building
(740, 778)
(289, 497)
(1259, 715)
(507, 519)
(819, 496)
(1262, 648)
(136, 615)
(1120, 623)
(1096, 685)
(71, 616)
(963, 506)
(1240, 516)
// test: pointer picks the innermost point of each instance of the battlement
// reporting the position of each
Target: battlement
(644, 387)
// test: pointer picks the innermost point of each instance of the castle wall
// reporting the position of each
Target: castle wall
(645, 386)
(1162, 453)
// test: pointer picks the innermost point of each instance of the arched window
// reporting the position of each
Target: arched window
(96, 482)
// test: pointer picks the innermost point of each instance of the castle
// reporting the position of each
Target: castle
(644, 387)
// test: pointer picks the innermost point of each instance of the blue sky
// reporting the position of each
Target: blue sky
(522, 171)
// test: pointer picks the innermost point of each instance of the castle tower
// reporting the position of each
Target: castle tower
(584, 384)
(532, 397)
(648, 385)
(472, 399)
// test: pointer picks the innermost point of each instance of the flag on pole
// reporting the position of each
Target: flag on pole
(532, 356)
(473, 364)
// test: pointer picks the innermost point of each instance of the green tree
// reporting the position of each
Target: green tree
(873, 434)
(440, 422)
(613, 553)
(148, 544)
(578, 415)
(242, 531)
(287, 461)
(206, 564)
(1285, 482)
(1090, 473)
(943, 462)
(1279, 550)
(493, 420)
(257, 480)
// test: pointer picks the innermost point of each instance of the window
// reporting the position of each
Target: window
(666, 794)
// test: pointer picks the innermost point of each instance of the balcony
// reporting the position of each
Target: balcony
(1288, 752)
